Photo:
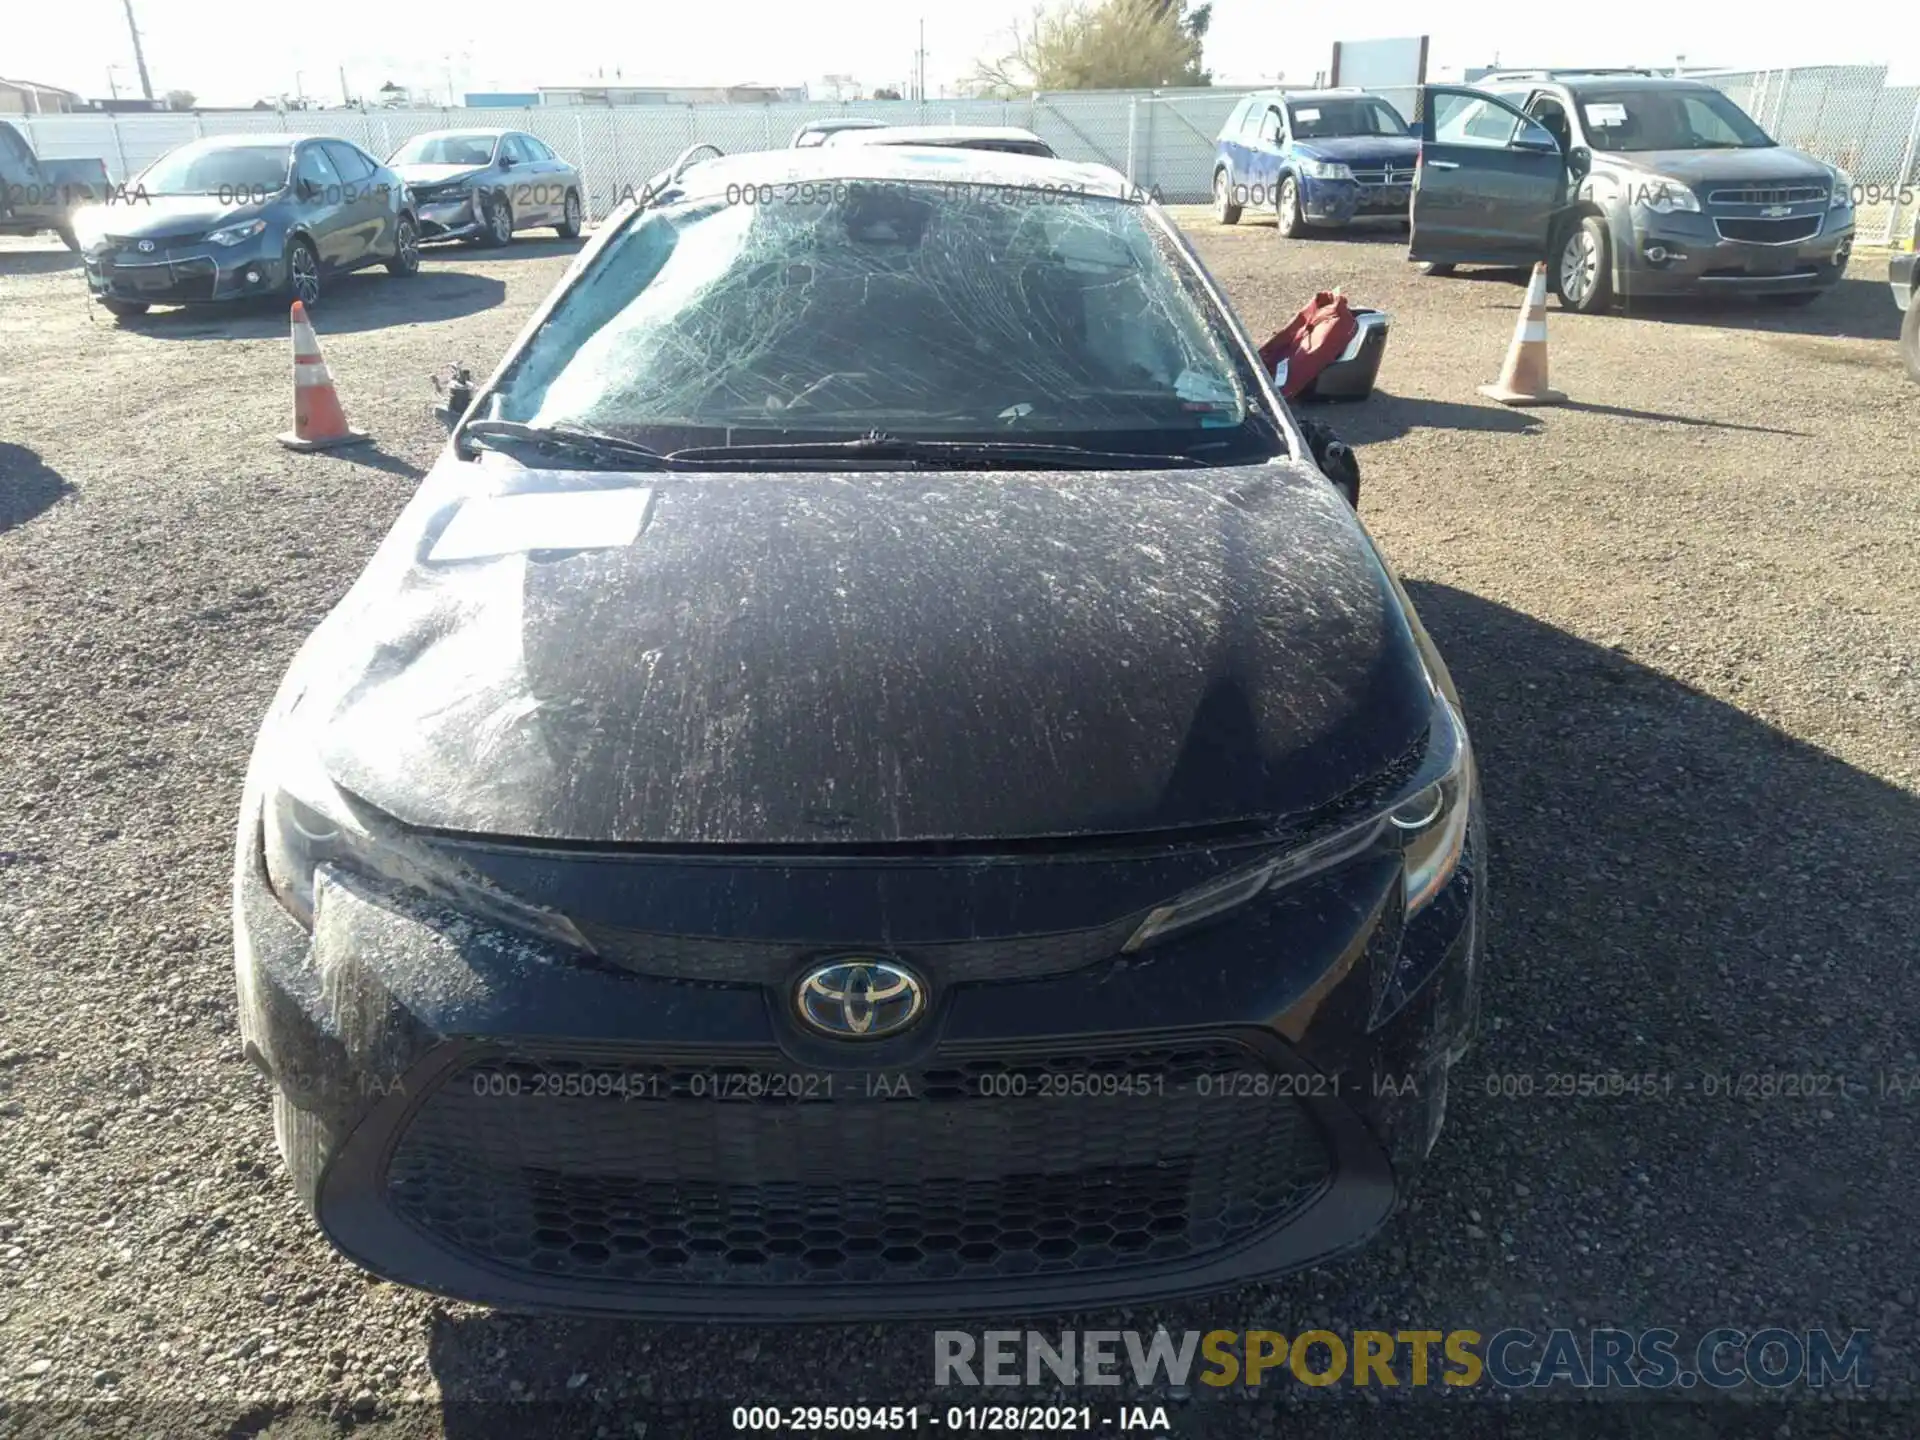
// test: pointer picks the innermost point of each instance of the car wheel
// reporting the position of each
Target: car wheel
(498, 218)
(406, 249)
(1224, 210)
(1583, 267)
(1434, 267)
(303, 273)
(1910, 338)
(1287, 209)
(569, 226)
(124, 309)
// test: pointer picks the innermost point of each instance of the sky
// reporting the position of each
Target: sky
(512, 45)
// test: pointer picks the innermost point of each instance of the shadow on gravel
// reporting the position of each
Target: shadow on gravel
(1855, 309)
(366, 300)
(1387, 417)
(524, 247)
(38, 262)
(1680, 891)
(28, 486)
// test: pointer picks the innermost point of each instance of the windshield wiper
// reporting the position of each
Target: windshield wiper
(998, 454)
(608, 452)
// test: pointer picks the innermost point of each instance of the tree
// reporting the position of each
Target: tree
(886, 92)
(1102, 45)
(180, 99)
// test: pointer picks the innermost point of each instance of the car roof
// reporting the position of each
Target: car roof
(937, 134)
(937, 165)
(463, 130)
(251, 142)
(1342, 93)
(1594, 80)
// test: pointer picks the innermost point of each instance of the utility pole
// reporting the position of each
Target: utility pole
(111, 86)
(345, 98)
(920, 64)
(139, 57)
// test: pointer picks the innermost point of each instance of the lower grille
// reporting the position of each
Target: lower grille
(610, 1170)
(1770, 232)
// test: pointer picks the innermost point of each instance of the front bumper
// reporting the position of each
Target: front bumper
(187, 274)
(471, 1114)
(1699, 260)
(454, 219)
(1340, 202)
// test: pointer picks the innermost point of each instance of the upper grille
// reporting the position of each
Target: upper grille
(721, 960)
(1391, 175)
(973, 1169)
(1768, 195)
(1770, 232)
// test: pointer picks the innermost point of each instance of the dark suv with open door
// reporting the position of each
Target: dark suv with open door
(1626, 184)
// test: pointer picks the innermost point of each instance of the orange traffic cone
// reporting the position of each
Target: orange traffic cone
(318, 421)
(1523, 381)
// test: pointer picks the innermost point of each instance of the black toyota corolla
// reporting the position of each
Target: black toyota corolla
(874, 778)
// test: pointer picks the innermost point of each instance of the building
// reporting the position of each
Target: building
(500, 99)
(24, 97)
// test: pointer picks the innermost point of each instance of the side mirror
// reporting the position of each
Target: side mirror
(305, 189)
(1538, 140)
(1579, 161)
(506, 162)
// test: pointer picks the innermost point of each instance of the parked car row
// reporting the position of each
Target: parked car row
(1624, 182)
(278, 215)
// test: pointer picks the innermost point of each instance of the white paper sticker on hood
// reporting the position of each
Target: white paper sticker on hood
(550, 520)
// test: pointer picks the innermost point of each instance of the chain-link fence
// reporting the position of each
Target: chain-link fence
(1163, 140)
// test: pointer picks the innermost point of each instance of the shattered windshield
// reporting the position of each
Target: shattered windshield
(919, 310)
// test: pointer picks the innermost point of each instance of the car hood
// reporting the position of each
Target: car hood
(1695, 167)
(1360, 149)
(134, 216)
(867, 658)
(435, 174)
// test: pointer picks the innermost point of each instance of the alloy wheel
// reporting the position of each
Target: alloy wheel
(409, 244)
(303, 272)
(502, 221)
(573, 212)
(1579, 266)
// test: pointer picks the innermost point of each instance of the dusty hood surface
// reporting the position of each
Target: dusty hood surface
(868, 657)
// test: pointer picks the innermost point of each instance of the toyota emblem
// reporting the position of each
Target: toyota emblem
(858, 998)
(145, 247)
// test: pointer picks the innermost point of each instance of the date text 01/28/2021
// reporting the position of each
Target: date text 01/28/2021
(955, 1419)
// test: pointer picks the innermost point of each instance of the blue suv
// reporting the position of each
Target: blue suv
(1318, 157)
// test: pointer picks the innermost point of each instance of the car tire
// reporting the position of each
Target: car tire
(496, 216)
(569, 226)
(1224, 210)
(406, 248)
(303, 272)
(1583, 267)
(1439, 268)
(1910, 339)
(1286, 209)
(124, 309)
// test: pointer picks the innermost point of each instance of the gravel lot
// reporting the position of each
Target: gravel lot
(1682, 611)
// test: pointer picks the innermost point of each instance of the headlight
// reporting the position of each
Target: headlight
(233, 234)
(1326, 169)
(1841, 196)
(1428, 824)
(1664, 196)
(308, 823)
